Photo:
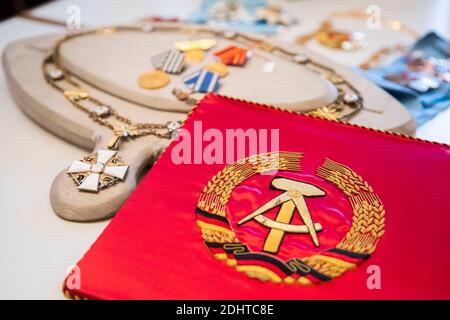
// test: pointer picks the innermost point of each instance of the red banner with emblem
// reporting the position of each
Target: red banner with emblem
(323, 210)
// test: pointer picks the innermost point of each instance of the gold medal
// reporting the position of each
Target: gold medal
(218, 68)
(194, 56)
(202, 44)
(153, 80)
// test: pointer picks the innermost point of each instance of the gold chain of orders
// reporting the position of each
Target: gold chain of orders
(97, 111)
(327, 25)
(348, 102)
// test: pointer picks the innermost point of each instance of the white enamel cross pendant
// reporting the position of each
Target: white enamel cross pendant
(97, 171)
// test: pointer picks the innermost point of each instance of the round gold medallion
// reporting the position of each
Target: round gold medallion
(218, 68)
(153, 80)
(194, 56)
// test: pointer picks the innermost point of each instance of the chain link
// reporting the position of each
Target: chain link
(348, 102)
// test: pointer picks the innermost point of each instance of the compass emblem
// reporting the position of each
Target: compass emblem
(291, 199)
(277, 220)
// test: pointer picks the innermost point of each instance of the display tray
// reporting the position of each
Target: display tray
(109, 67)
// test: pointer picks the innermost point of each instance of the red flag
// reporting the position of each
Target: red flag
(328, 211)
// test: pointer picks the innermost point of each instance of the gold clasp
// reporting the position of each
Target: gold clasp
(114, 142)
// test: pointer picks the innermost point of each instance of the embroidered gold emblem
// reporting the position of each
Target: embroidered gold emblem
(280, 255)
(292, 198)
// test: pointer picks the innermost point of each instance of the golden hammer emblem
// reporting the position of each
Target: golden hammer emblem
(293, 197)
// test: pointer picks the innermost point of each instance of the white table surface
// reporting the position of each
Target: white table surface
(36, 246)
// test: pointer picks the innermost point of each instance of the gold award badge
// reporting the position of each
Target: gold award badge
(275, 222)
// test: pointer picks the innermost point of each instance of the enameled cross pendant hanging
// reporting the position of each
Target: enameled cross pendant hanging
(98, 170)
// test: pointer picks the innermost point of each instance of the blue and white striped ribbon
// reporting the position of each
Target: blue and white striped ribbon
(202, 81)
